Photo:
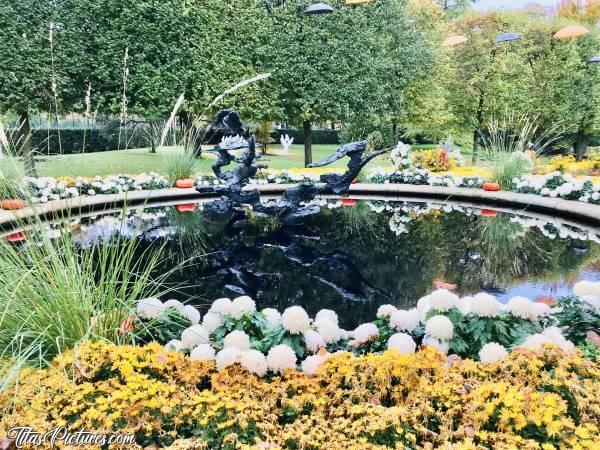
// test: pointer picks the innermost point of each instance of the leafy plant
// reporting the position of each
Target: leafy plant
(577, 318)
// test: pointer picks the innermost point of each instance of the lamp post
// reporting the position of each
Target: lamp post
(315, 9)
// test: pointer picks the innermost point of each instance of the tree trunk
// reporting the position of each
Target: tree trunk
(395, 131)
(581, 145)
(477, 132)
(26, 145)
(152, 138)
(307, 143)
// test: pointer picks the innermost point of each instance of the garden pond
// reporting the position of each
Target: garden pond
(355, 255)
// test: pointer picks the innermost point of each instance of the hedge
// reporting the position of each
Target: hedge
(97, 140)
(72, 141)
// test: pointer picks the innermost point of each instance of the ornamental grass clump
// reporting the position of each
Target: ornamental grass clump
(512, 144)
(54, 293)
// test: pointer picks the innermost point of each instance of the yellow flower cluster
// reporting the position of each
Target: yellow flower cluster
(529, 401)
(435, 160)
(567, 164)
(472, 171)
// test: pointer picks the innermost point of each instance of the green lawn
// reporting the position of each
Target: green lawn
(141, 160)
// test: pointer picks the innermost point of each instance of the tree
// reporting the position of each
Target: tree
(563, 88)
(33, 77)
(341, 65)
(482, 79)
(143, 54)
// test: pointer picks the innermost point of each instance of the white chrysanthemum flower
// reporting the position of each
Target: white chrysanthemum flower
(556, 336)
(222, 306)
(522, 307)
(464, 305)
(272, 315)
(237, 339)
(386, 311)
(423, 306)
(327, 314)
(402, 342)
(541, 309)
(203, 352)
(173, 345)
(442, 300)
(485, 305)
(311, 364)
(281, 357)
(211, 322)
(492, 352)
(314, 341)
(242, 305)
(149, 308)
(442, 346)
(194, 336)
(174, 304)
(536, 341)
(405, 320)
(254, 362)
(592, 300)
(191, 314)
(439, 327)
(365, 333)
(228, 357)
(329, 330)
(295, 320)
(584, 287)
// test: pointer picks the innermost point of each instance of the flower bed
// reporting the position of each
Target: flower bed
(477, 327)
(42, 190)
(163, 398)
(558, 185)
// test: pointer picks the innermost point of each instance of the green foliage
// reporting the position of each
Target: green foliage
(167, 326)
(577, 317)
(339, 65)
(589, 350)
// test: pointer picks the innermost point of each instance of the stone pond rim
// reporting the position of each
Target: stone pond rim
(579, 211)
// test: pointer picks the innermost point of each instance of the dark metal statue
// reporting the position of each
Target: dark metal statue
(294, 205)
(340, 184)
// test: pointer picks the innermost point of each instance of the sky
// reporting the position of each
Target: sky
(484, 5)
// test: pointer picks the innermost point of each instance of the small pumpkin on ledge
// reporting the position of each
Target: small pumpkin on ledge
(13, 203)
(491, 187)
(185, 183)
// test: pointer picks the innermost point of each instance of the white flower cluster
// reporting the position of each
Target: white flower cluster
(589, 292)
(558, 185)
(432, 316)
(45, 189)
(450, 180)
(554, 228)
(400, 156)
(152, 308)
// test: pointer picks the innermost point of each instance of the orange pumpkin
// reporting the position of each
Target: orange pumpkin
(186, 183)
(489, 212)
(13, 204)
(355, 181)
(349, 201)
(16, 237)
(491, 187)
(186, 207)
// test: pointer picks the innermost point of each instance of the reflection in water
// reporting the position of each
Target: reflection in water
(355, 256)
